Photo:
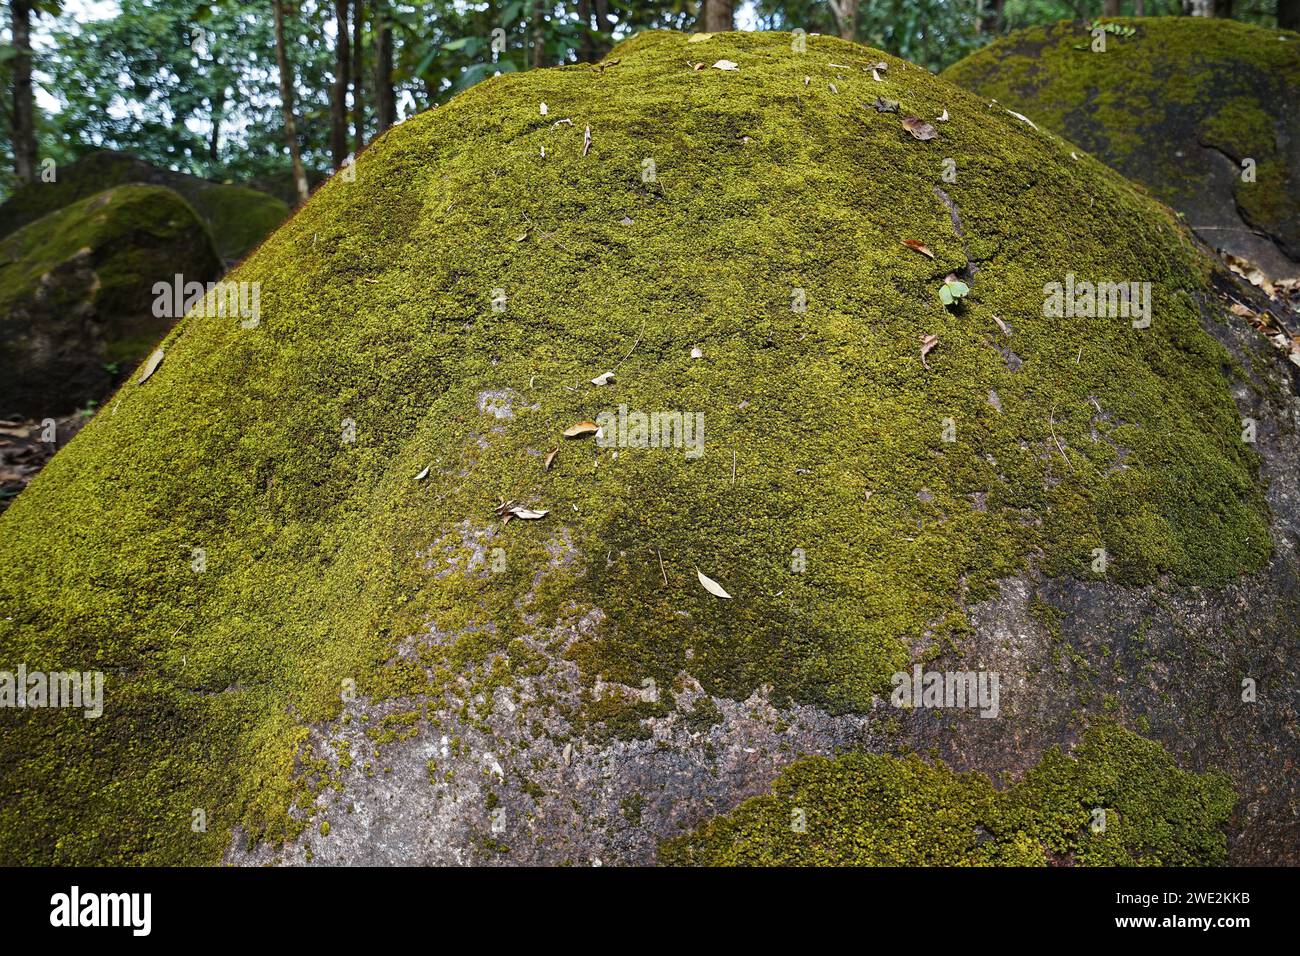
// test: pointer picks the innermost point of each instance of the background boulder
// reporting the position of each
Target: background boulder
(1179, 105)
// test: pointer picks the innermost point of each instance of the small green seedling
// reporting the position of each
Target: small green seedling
(952, 290)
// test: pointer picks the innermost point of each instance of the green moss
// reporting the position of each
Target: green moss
(1118, 800)
(325, 555)
(1146, 103)
(239, 217)
(632, 807)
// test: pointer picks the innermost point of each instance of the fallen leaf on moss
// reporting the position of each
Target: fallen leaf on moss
(700, 37)
(943, 117)
(508, 510)
(885, 106)
(919, 128)
(1023, 118)
(586, 140)
(928, 343)
(151, 365)
(424, 473)
(1006, 329)
(550, 458)
(712, 586)
(581, 430)
(604, 378)
(725, 65)
(920, 247)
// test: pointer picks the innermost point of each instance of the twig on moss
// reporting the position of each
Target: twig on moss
(1051, 424)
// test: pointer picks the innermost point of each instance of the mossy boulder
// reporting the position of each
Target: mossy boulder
(342, 568)
(239, 217)
(874, 810)
(1204, 112)
(76, 294)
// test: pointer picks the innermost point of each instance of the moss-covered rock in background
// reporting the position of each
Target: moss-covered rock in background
(729, 242)
(239, 217)
(76, 294)
(1178, 106)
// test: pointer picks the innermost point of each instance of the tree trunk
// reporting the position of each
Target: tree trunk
(385, 95)
(603, 42)
(1288, 14)
(586, 46)
(339, 93)
(990, 21)
(1139, 9)
(1110, 8)
(719, 15)
(358, 74)
(536, 28)
(846, 16)
(286, 99)
(214, 141)
(24, 118)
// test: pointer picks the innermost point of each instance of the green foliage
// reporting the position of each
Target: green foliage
(952, 290)
(1117, 800)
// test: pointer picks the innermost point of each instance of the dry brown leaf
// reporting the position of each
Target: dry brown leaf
(928, 344)
(527, 515)
(1006, 329)
(920, 247)
(151, 365)
(581, 430)
(508, 509)
(1238, 309)
(919, 128)
(712, 586)
(550, 458)
(586, 140)
(1023, 118)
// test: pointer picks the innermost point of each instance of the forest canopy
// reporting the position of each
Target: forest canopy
(276, 93)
